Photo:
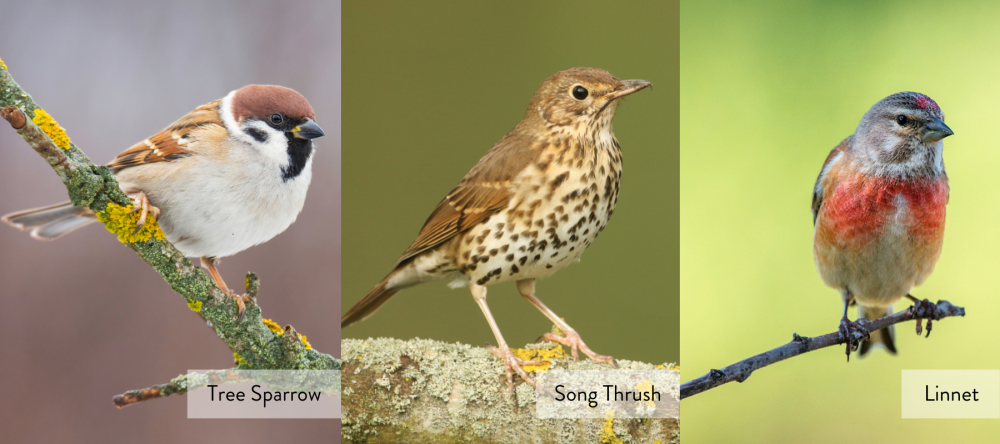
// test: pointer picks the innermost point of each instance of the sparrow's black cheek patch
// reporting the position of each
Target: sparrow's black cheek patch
(257, 134)
(299, 151)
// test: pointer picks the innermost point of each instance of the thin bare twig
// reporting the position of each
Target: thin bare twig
(740, 371)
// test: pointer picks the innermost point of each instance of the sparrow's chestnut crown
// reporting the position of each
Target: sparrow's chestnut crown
(264, 101)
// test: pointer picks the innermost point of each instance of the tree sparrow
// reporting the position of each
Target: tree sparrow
(879, 209)
(229, 175)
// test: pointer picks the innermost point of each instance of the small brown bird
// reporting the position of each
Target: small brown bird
(229, 175)
(530, 206)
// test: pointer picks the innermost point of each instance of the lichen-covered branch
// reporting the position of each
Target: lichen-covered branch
(434, 392)
(256, 344)
(740, 371)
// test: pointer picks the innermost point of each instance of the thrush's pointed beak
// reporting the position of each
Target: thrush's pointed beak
(628, 87)
(309, 130)
(936, 130)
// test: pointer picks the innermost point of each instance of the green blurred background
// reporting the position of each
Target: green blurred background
(766, 91)
(429, 87)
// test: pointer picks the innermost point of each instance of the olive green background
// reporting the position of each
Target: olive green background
(766, 91)
(429, 87)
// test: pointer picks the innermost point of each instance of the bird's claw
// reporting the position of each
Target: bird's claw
(852, 334)
(140, 202)
(572, 340)
(924, 309)
(241, 301)
(514, 363)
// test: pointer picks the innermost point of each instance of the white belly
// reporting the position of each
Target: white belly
(218, 210)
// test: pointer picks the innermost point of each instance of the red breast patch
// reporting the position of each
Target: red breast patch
(861, 208)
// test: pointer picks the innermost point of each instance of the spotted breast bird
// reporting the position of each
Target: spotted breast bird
(530, 207)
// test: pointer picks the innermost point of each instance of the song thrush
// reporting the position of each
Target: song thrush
(530, 207)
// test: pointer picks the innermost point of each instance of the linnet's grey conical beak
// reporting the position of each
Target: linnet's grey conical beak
(937, 130)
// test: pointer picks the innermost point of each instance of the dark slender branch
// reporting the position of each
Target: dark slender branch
(257, 345)
(740, 371)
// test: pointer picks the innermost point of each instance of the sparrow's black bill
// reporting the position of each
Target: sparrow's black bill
(309, 130)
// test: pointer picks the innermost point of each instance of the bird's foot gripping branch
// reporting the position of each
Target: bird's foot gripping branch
(95, 187)
(740, 371)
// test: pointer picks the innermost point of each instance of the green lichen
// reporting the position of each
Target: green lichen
(52, 128)
(122, 221)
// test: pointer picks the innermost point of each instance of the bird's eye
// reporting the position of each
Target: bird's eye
(580, 92)
(902, 120)
(277, 119)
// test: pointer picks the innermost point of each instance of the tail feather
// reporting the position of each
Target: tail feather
(371, 302)
(50, 223)
(885, 336)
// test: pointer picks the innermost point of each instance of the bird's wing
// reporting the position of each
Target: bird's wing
(820, 189)
(485, 190)
(169, 144)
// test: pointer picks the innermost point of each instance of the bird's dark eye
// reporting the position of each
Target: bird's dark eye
(580, 92)
(902, 120)
(277, 119)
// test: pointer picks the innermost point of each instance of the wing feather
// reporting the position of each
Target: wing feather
(484, 191)
(818, 190)
(169, 144)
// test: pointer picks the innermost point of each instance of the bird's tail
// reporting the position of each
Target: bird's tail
(52, 222)
(885, 336)
(371, 302)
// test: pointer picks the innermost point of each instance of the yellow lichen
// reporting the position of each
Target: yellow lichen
(273, 326)
(543, 354)
(2, 64)
(239, 359)
(118, 220)
(673, 367)
(52, 128)
(607, 432)
(195, 306)
(305, 341)
(645, 386)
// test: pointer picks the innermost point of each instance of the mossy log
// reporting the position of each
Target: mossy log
(424, 391)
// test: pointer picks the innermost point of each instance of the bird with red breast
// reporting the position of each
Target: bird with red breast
(879, 211)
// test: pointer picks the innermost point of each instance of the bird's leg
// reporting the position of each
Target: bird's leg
(503, 352)
(924, 308)
(140, 202)
(850, 330)
(570, 337)
(209, 264)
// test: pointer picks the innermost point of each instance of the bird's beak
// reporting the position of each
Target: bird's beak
(309, 130)
(936, 130)
(628, 87)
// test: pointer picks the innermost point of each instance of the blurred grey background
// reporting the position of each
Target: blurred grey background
(83, 318)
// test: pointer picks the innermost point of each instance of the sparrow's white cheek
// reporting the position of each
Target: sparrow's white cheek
(267, 142)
